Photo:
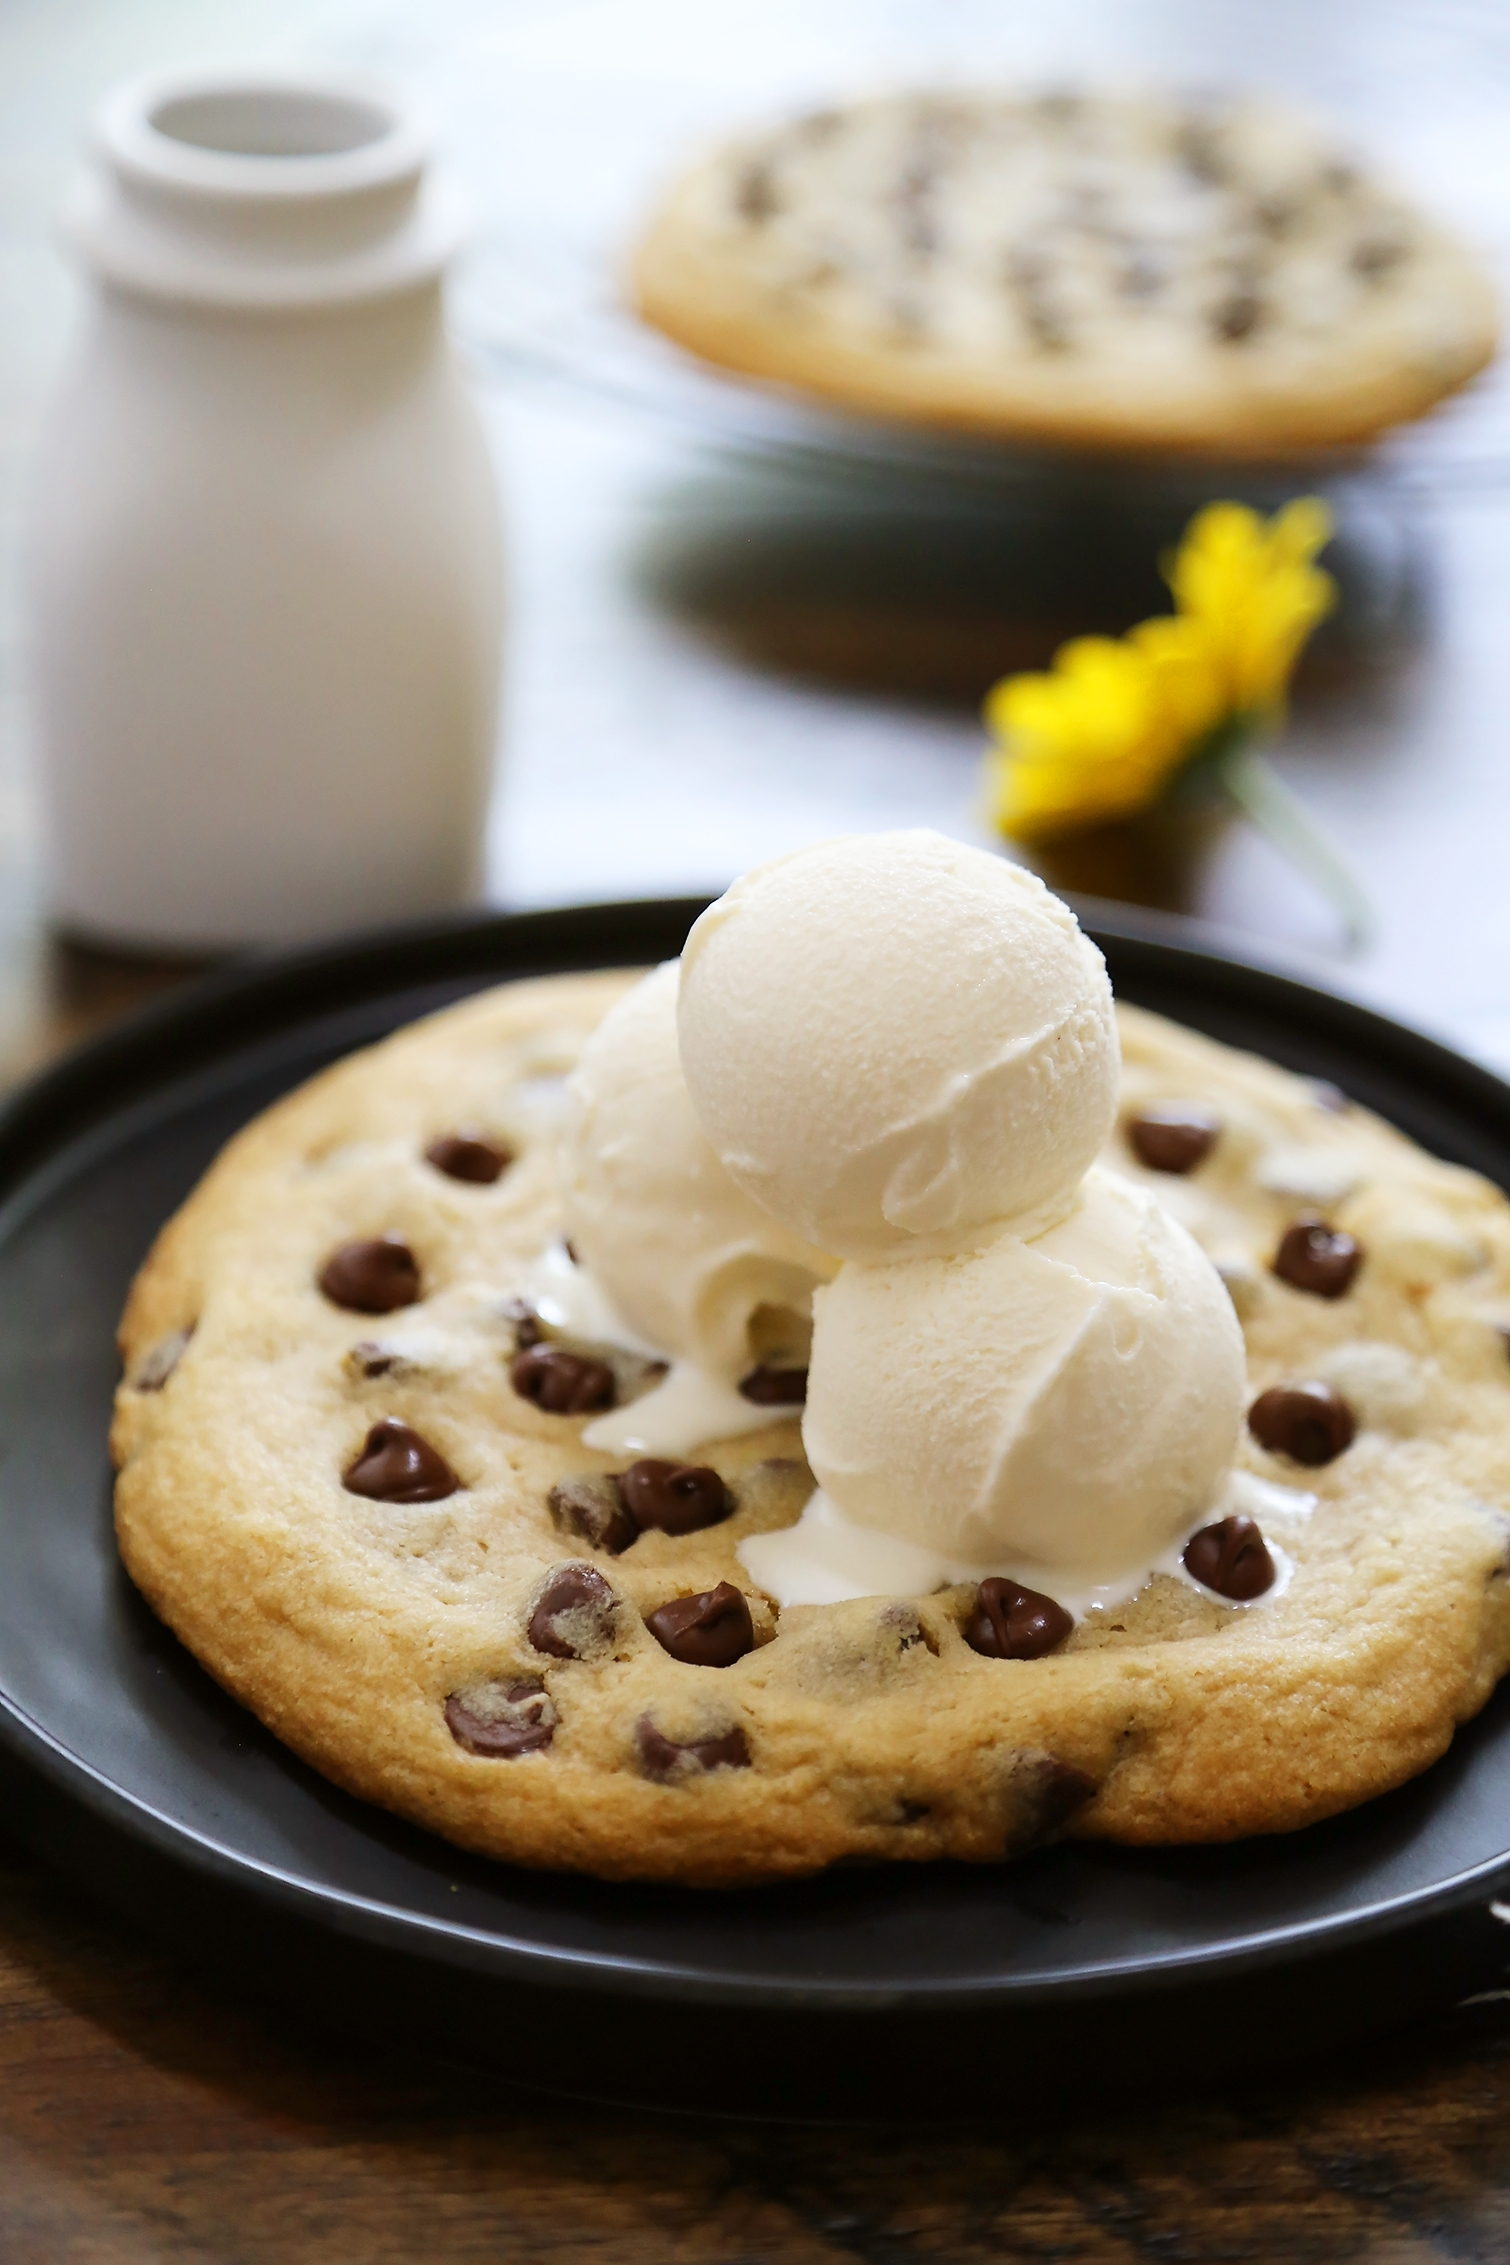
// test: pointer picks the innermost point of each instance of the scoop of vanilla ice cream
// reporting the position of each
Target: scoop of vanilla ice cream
(682, 1253)
(891, 1036)
(1067, 1405)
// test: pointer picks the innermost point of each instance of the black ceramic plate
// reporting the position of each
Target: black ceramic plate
(131, 1769)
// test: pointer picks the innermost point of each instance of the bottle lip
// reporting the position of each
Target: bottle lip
(263, 186)
(322, 133)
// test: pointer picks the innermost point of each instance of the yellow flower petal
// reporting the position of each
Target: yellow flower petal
(1251, 583)
(1099, 735)
(1188, 672)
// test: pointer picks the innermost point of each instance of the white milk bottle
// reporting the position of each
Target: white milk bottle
(265, 574)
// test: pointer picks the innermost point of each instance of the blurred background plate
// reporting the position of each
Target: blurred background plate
(127, 1767)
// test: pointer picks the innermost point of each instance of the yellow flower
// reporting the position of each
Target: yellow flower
(1101, 734)
(1256, 593)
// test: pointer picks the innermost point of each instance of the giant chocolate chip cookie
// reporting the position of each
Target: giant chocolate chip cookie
(352, 1479)
(1096, 270)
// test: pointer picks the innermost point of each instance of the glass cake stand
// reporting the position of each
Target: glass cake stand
(567, 125)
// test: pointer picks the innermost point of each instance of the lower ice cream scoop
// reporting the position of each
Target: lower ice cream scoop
(1063, 1409)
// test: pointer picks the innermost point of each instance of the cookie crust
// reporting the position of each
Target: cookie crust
(872, 1731)
(1136, 273)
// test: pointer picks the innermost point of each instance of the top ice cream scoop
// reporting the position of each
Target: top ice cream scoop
(895, 1037)
(685, 1257)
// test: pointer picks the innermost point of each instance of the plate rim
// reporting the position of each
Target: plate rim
(392, 1927)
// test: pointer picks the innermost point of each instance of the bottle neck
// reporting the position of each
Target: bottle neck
(246, 190)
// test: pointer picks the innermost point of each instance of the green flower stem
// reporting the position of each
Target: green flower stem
(1264, 798)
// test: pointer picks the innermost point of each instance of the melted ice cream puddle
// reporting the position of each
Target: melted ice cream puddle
(689, 1408)
(826, 1558)
(685, 1410)
(566, 1297)
(1249, 1496)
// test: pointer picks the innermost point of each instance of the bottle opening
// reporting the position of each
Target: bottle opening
(272, 122)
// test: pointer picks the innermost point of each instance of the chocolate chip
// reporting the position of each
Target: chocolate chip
(1030, 277)
(501, 1724)
(1314, 1257)
(817, 127)
(755, 194)
(630, 1374)
(1061, 1790)
(397, 1465)
(1008, 1621)
(467, 1156)
(678, 1498)
(563, 1383)
(775, 1387)
(663, 1757)
(162, 1361)
(574, 1614)
(904, 1623)
(370, 1358)
(1172, 1136)
(1198, 146)
(375, 1276)
(1374, 256)
(1276, 214)
(1046, 1793)
(918, 224)
(525, 1323)
(1232, 1558)
(1308, 1422)
(589, 1508)
(1237, 316)
(712, 1629)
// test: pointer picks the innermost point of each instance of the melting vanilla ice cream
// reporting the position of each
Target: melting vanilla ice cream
(678, 1260)
(894, 1036)
(905, 1050)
